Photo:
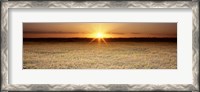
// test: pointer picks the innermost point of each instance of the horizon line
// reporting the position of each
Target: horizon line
(92, 37)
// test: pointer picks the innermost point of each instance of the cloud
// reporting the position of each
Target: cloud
(116, 33)
(135, 33)
(54, 32)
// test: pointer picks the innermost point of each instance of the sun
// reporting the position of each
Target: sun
(99, 35)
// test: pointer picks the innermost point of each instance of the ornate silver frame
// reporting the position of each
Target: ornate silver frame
(98, 4)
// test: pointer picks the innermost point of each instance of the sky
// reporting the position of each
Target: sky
(90, 30)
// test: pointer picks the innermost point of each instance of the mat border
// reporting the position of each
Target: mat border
(194, 5)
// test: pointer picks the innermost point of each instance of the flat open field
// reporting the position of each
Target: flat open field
(115, 55)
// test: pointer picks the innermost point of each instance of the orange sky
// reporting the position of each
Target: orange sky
(110, 30)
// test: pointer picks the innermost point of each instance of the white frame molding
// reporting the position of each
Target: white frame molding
(99, 4)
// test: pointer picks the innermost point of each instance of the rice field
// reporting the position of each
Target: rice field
(114, 55)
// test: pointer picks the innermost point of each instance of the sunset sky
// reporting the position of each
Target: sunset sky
(109, 30)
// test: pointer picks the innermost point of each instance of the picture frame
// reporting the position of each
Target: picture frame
(6, 5)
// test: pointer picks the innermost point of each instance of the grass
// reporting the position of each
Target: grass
(115, 55)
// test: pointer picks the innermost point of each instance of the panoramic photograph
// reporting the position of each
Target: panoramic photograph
(99, 45)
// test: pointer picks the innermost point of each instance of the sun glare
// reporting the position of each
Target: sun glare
(99, 35)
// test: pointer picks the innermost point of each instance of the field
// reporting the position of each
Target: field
(114, 55)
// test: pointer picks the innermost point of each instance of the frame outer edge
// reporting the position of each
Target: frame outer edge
(90, 87)
(4, 45)
(195, 45)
